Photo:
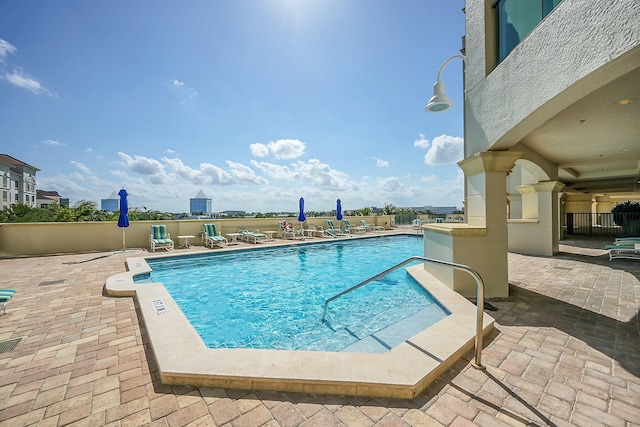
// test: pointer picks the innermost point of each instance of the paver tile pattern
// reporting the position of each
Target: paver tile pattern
(565, 352)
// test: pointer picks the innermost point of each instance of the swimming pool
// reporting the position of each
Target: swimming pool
(182, 358)
(274, 298)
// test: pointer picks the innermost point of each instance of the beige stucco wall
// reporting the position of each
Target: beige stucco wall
(518, 96)
(22, 239)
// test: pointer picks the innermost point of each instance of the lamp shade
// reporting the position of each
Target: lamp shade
(439, 101)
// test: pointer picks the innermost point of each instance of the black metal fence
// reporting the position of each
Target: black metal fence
(601, 224)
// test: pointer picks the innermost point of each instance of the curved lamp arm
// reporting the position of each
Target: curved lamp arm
(440, 101)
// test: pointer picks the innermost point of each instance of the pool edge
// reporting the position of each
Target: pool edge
(403, 372)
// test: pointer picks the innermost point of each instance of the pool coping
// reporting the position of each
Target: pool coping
(402, 372)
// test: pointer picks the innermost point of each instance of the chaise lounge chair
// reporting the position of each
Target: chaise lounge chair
(354, 228)
(160, 239)
(5, 297)
(335, 230)
(253, 236)
(312, 230)
(211, 236)
(628, 249)
(371, 227)
(288, 232)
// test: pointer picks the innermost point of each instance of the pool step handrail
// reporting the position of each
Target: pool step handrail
(462, 267)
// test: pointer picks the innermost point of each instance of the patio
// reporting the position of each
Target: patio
(565, 352)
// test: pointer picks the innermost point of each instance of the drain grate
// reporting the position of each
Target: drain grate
(51, 282)
(9, 345)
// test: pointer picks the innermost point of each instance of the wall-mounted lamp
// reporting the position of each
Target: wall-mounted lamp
(440, 101)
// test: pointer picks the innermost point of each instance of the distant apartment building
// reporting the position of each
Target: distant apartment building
(18, 182)
(44, 198)
(111, 203)
(200, 204)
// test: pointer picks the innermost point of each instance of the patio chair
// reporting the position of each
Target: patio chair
(253, 236)
(160, 239)
(5, 297)
(312, 230)
(355, 228)
(211, 236)
(335, 230)
(288, 232)
(626, 251)
(371, 227)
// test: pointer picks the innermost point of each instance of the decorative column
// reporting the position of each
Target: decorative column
(481, 243)
(538, 232)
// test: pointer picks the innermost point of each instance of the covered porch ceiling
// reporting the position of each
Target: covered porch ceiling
(596, 141)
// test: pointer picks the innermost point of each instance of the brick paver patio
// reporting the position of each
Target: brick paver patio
(566, 351)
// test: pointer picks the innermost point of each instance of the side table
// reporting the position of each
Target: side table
(185, 239)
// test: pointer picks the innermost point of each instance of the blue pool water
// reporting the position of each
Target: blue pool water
(274, 298)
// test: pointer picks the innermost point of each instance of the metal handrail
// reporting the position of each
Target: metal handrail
(472, 272)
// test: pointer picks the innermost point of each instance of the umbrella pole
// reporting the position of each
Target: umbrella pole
(123, 244)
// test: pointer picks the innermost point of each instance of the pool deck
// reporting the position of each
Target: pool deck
(565, 351)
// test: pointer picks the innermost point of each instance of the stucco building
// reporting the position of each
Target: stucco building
(552, 108)
(18, 181)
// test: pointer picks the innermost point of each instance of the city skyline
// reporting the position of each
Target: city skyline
(255, 103)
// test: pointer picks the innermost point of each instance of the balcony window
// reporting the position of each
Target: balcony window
(515, 19)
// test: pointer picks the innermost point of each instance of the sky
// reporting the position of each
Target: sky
(255, 102)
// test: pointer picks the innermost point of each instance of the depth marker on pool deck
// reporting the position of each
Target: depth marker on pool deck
(159, 306)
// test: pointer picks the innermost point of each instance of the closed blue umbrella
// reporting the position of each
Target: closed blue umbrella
(339, 210)
(123, 219)
(301, 216)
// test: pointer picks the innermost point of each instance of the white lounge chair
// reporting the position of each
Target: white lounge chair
(160, 239)
(371, 227)
(253, 236)
(626, 251)
(335, 230)
(211, 236)
(354, 228)
(288, 232)
(5, 297)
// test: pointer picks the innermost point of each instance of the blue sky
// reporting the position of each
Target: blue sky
(254, 102)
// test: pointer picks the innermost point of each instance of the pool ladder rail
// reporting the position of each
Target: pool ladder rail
(479, 302)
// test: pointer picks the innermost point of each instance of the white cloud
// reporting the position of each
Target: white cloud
(53, 143)
(312, 173)
(6, 48)
(207, 174)
(184, 93)
(259, 150)
(22, 80)
(88, 150)
(244, 174)
(390, 185)
(421, 142)
(279, 172)
(321, 175)
(286, 148)
(169, 151)
(82, 167)
(281, 149)
(382, 163)
(430, 178)
(445, 149)
(145, 166)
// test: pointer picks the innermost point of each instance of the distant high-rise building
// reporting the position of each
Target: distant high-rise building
(111, 203)
(200, 205)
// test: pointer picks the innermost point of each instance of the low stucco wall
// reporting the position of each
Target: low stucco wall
(24, 239)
